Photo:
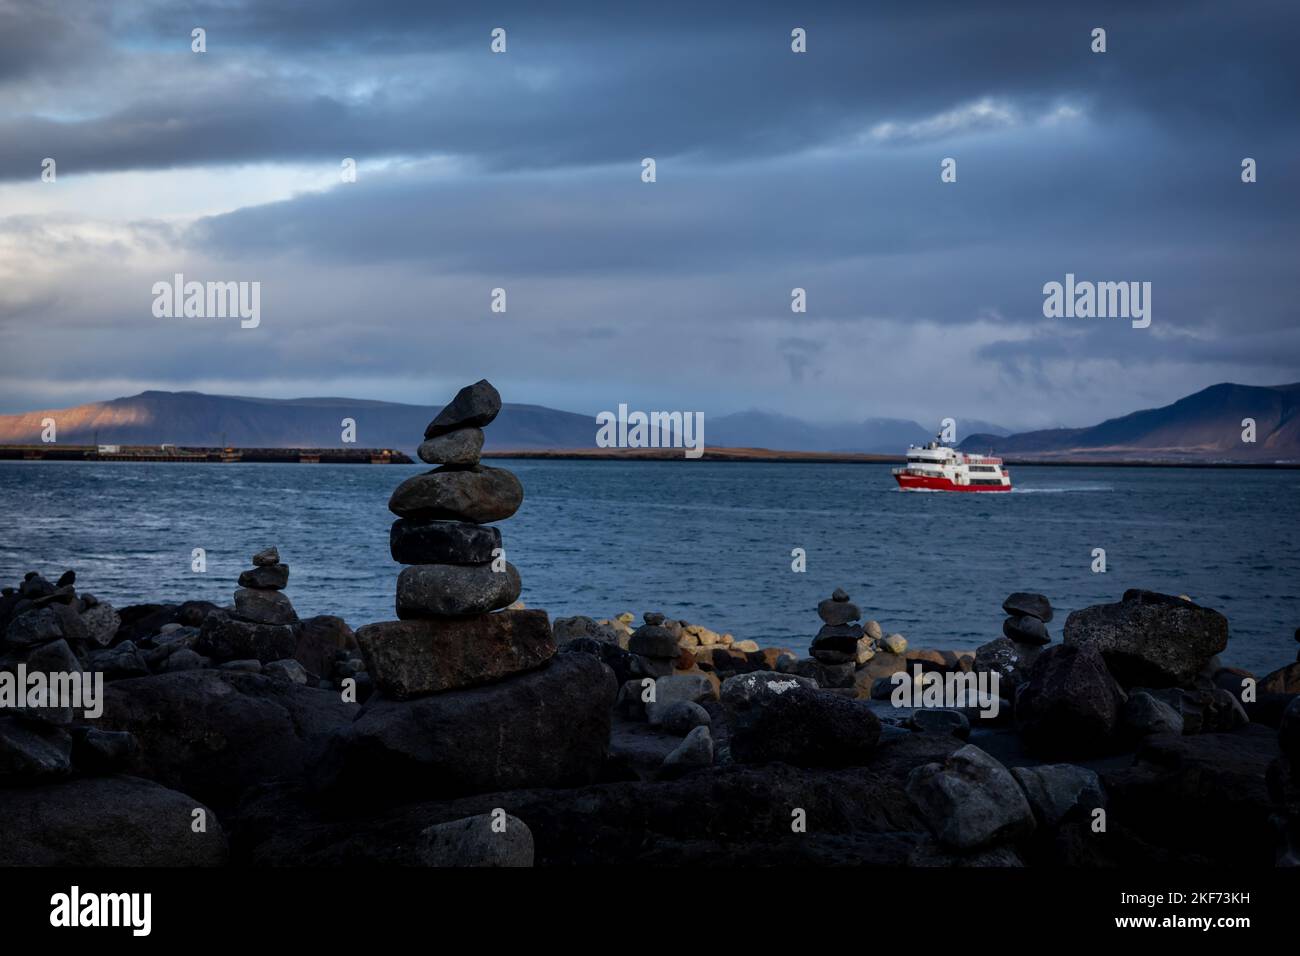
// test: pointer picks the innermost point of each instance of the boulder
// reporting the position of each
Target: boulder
(873, 630)
(894, 644)
(1026, 630)
(1011, 661)
(442, 542)
(1071, 704)
(1025, 602)
(929, 720)
(267, 577)
(268, 558)
(410, 658)
(1150, 639)
(653, 640)
(120, 660)
(475, 406)
(883, 664)
(461, 447)
(113, 821)
(566, 629)
(781, 718)
(1284, 680)
(36, 626)
(625, 665)
(455, 590)
(225, 638)
(681, 717)
(101, 623)
(319, 640)
(487, 840)
(1145, 715)
(695, 751)
(287, 670)
(264, 606)
(1060, 791)
(678, 687)
(31, 753)
(970, 801)
(837, 643)
(833, 612)
(479, 494)
(548, 727)
(214, 733)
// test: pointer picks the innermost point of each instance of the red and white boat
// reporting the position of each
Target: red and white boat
(936, 467)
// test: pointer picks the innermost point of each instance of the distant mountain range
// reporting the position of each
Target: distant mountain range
(1206, 426)
(193, 418)
(1203, 426)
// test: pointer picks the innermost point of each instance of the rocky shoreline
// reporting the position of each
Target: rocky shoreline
(473, 731)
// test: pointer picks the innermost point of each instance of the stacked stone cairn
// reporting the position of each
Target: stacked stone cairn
(841, 639)
(1024, 635)
(260, 632)
(447, 635)
(469, 693)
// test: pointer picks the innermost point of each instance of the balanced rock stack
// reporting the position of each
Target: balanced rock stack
(457, 574)
(841, 641)
(1027, 617)
(1013, 655)
(469, 693)
(262, 625)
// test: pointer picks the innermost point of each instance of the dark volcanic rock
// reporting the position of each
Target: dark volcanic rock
(410, 658)
(622, 662)
(1288, 734)
(1026, 630)
(548, 727)
(487, 839)
(36, 626)
(835, 612)
(106, 821)
(836, 644)
(228, 639)
(268, 577)
(442, 542)
(318, 641)
(479, 494)
(780, 718)
(98, 751)
(970, 801)
(31, 753)
(461, 447)
(450, 590)
(267, 558)
(1025, 602)
(213, 734)
(474, 406)
(1060, 790)
(653, 640)
(120, 660)
(101, 623)
(1145, 715)
(1012, 662)
(1150, 639)
(1284, 680)
(264, 607)
(1071, 704)
(1202, 797)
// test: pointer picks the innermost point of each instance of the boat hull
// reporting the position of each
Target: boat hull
(928, 483)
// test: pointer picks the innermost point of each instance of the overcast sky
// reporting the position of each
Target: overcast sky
(775, 170)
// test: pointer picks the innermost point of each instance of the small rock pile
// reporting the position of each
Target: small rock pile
(1013, 655)
(1027, 618)
(258, 633)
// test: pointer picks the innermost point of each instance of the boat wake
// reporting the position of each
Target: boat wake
(1063, 490)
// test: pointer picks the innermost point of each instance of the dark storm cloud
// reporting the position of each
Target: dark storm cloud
(774, 171)
(585, 85)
